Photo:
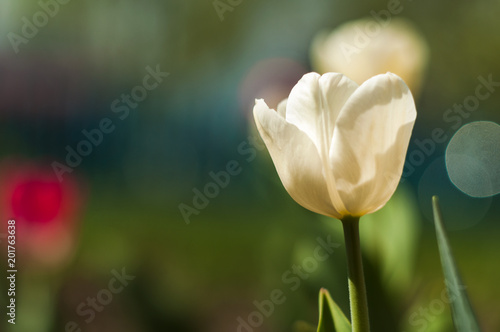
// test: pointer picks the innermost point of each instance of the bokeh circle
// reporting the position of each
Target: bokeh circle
(473, 159)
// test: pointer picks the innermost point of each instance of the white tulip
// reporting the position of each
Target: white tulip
(364, 48)
(339, 148)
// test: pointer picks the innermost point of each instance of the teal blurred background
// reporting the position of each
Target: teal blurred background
(121, 205)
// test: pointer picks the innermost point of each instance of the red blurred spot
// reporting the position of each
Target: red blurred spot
(37, 200)
(46, 211)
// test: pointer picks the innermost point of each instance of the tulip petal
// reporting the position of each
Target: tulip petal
(315, 103)
(296, 160)
(281, 109)
(370, 141)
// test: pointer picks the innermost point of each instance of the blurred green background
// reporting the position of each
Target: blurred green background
(125, 194)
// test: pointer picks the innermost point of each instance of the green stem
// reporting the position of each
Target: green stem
(357, 289)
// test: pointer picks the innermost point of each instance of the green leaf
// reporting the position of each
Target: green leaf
(331, 317)
(394, 259)
(463, 315)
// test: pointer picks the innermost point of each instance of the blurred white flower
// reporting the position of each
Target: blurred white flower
(339, 148)
(364, 48)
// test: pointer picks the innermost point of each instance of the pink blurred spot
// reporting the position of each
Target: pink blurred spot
(270, 79)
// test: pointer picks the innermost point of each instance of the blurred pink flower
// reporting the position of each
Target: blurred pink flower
(45, 211)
